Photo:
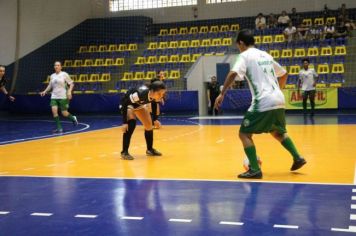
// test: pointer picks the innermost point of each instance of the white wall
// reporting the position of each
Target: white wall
(7, 31)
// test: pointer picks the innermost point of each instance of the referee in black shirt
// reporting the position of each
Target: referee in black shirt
(3, 83)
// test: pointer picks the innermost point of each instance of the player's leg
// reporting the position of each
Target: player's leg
(64, 105)
(312, 101)
(144, 116)
(250, 151)
(126, 137)
(54, 108)
(305, 98)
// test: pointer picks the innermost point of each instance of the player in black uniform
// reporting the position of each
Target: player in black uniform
(134, 105)
(3, 83)
(155, 109)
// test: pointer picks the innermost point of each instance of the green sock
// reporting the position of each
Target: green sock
(71, 117)
(252, 157)
(58, 123)
(289, 145)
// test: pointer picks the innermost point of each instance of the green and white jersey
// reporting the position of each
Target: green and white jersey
(307, 77)
(58, 84)
(261, 73)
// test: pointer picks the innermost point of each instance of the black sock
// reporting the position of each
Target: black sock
(126, 138)
(149, 139)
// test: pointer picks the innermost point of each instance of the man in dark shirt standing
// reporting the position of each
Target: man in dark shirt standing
(213, 92)
(3, 83)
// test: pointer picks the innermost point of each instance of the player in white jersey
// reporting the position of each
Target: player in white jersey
(61, 95)
(307, 80)
(266, 113)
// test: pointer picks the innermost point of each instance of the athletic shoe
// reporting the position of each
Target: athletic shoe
(251, 174)
(126, 156)
(153, 152)
(58, 131)
(298, 164)
(75, 121)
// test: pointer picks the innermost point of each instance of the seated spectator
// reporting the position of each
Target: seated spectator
(272, 21)
(349, 24)
(343, 11)
(341, 30)
(329, 30)
(315, 32)
(260, 22)
(303, 31)
(295, 17)
(283, 19)
(290, 32)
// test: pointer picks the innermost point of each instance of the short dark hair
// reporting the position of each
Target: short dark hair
(157, 85)
(246, 36)
(305, 60)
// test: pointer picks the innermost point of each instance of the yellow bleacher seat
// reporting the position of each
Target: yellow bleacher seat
(299, 52)
(203, 29)
(195, 57)
(320, 85)
(105, 77)
(174, 58)
(216, 42)
(267, 39)
(220, 54)
(132, 47)
(205, 43)
(139, 75)
(112, 48)
(163, 32)
(337, 68)
(83, 78)
(279, 38)
(185, 58)
(163, 45)
(83, 49)
(183, 30)
(173, 44)
(151, 60)
(258, 39)
(140, 61)
(184, 44)
(47, 80)
(226, 41)
(294, 70)
(174, 74)
(208, 54)
(122, 47)
(275, 53)
(323, 69)
(152, 45)
(93, 78)
(214, 29)
(313, 52)
(99, 62)
(113, 91)
(163, 59)
(290, 86)
(173, 31)
(234, 27)
(128, 76)
(224, 28)
(319, 21)
(195, 43)
(119, 62)
(326, 51)
(331, 19)
(193, 30)
(109, 62)
(307, 22)
(287, 53)
(103, 48)
(150, 75)
(74, 77)
(77, 63)
(93, 48)
(340, 51)
(68, 63)
(88, 62)
(335, 85)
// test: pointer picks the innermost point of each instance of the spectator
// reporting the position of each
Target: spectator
(272, 21)
(349, 24)
(303, 31)
(283, 19)
(341, 30)
(295, 17)
(212, 93)
(326, 11)
(307, 81)
(315, 32)
(290, 32)
(260, 22)
(329, 30)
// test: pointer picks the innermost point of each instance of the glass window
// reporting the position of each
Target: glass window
(127, 5)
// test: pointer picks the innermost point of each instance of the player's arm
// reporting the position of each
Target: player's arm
(208, 96)
(281, 74)
(70, 82)
(227, 84)
(283, 80)
(48, 88)
(316, 78)
(7, 94)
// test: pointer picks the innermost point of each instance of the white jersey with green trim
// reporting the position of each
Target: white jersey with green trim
(58, 85)
(261, 73)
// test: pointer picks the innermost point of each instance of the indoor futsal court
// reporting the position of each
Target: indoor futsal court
(129, 117)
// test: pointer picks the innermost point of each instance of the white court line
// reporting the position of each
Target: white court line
(215, 117)
(352, 217)
(353, 197)
(4, 212)
(181, 220)
(354, 190)
(286, 226)
(86, 216)
(26, 169)
(351, 229)
(131, 218)
(220, 140)
(41, 214)
(230, 223)
(353, 206)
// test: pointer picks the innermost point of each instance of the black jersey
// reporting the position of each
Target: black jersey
(134, 97)
(2, 82)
